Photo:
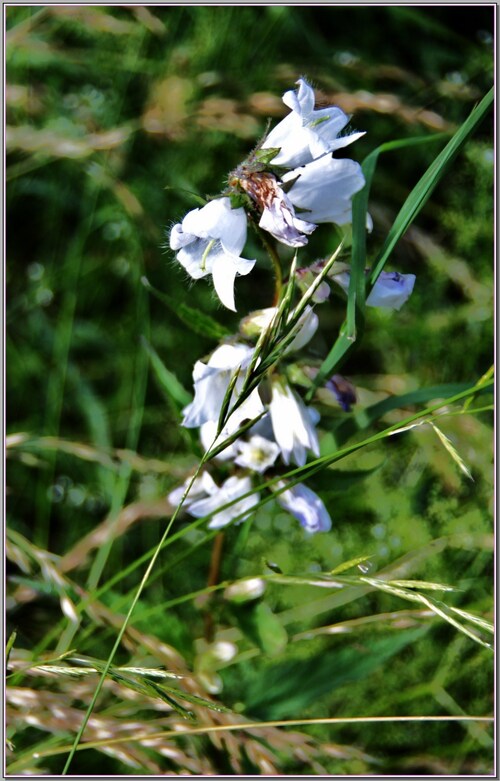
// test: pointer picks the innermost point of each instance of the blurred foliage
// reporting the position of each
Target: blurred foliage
(117, 118)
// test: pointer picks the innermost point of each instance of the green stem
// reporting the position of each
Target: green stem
(275, 261)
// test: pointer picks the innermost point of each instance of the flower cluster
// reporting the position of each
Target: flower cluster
(250, 418)
(292, 169)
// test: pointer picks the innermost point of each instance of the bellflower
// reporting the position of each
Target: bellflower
(209, 241)
(278, 214)
(202, 486)
(208, 431)
(390, 291)
(211, 381)
(293, 424)
(307, 507)
(324, 189)
(307, 133)
(231, 489)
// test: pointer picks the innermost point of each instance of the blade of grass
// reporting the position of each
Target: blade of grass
(425, 187)
(410, 209)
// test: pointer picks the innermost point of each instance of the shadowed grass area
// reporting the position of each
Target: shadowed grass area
(119, 119)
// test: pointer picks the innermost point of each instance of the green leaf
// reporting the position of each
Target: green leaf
(426, 185)
(262, 627)
(364, 418)
(192, 195)
(9, 646)
(167, 380)
(265, 156)
(197, 321)
(335, 480)
(292, 686)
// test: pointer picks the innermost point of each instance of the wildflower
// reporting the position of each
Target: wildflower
(390, 291)
(278, 214)
(293, 424)
(324, 189)
(211, 381)
(343, 391)
(230, 490)
(307, 133)
(209, 441)
(209, 241)
(307, 507)
(202, 486)
(258, 454)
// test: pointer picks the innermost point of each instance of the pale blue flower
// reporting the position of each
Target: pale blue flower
(390, 291)
(231, 489)
(305, 505)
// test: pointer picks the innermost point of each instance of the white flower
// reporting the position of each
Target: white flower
(208, 431)
(202, 486)
(324, 188)
(307, 507)
(390, 291)
(258, 454)
(293, 424)
(211, 381)
(306, 134)
(209, 241)
(278, 215)
(230, 490)
(279, 219)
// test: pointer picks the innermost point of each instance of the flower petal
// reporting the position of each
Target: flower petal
(307, 507)
(224, 270)
(325, 188)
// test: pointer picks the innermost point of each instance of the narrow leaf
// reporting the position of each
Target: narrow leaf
(167, 380)
(199, 322)
(425, 187)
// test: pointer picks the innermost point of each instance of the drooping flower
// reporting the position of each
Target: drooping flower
(211, 381)
(343, 390)
(209, 241)
(278, 214)
(305, 505)
(390, 291)
(293, 424)
(307, 133)
(324, 189)
(230, 490)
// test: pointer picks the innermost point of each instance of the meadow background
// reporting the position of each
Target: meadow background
(115, 116)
